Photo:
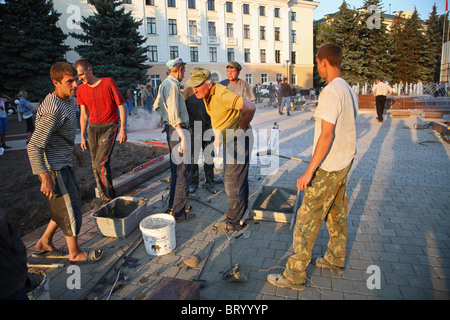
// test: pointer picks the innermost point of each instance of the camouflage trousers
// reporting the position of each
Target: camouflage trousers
(325, 199)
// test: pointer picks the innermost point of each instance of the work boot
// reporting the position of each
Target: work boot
(192, 189)
(288, 114)
(278, 280)
(323, 263)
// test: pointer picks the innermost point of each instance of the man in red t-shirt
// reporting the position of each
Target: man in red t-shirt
(99, 99)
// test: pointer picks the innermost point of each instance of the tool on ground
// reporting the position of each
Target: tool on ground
(165, 144)
(41, 265)
(146, 164)
(271, 152)
(235, 274)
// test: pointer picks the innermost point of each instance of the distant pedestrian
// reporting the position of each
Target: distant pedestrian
(324, 181)
(147, 100)
(278, 93)
(286, 92)
(99, 99)
(27, 110)
(130, 98)
(3, 120)
(380, 92)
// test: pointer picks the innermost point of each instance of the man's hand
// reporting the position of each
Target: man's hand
(84, 144)
(303, 181)
(122, 135)
(47, 185)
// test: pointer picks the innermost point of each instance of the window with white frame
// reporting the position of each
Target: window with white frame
(173, 52)
(264, 77)
(249, 78)
(194, 54)
(246, 8)
(172, 27)
(262, 10)
(192, 28)
(262, 33)
(171, 3)
(191, 4)
(150, 2)
(230, 54)
(263, 55)
(151, 25)
(211, 28)
(212, 54)
(247, 55)
(246, 31)
(211, 5)
(155, 80)
(230, 30)
(276, 12)
(277, 56)
(153, 54)
(277, 33)
(229, 6)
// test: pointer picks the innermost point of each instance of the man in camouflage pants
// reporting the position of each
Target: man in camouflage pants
(324, 180)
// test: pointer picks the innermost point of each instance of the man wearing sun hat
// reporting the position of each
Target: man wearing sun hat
(171, 106)
(230, 118)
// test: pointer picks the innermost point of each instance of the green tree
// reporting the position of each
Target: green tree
(113, 45)
(377, 51)
(30, 42)
(346, 30)
(434, 42)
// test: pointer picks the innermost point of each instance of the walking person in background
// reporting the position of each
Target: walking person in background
(130, 97)
(380, 92)
(279, 96)
(27, 110)
(3, 120)
(324, 181)
(286, 92)
(99, 99)
(50, 152)
(147, 99)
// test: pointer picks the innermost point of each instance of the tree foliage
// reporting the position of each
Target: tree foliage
(112, 44)
(30, 42)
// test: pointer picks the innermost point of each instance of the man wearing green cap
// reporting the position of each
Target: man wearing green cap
(238, 86)
(171, 106)
(230, 118)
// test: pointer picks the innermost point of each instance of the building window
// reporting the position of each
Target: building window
(172, 27)
(277, 33)
(293, 16)
(247, 55)
(262, 33)
(245, 8)
(127, 1)
(150, 2)
(262, 10)
(293, 57)
(229, 6)
(153, 54)
(249, 79)
(246, 31)
(277, 56)
(279, 77)
(151, 25)
(276, 12)
(293, 36)
(192, 28)
(211, 28)
(155, 80)
(230, 54)
(173, 51)
(264, 78)
(230, 30)
(194, 54)
(212, 54)
(293, 79)
(171, 3)
(191, 4)
(263, 55)
(211, 5)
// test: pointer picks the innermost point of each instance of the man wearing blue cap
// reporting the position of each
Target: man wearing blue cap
(171, 106)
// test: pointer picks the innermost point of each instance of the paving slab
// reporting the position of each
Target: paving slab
(398, 224)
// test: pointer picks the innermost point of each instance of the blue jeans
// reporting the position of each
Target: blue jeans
(286, 100)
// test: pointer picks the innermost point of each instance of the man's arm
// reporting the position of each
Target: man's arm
(248, 110)
(322, 147)
(123, 124)
(84, 118)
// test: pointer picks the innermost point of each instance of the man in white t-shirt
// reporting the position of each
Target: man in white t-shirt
(324, 181)
(381, 91)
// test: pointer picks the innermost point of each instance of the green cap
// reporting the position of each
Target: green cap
(234, 64)
(198, 76)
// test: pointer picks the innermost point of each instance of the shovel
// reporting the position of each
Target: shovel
(270, 152)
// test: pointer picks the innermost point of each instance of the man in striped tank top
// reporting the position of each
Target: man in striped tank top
(50, 153)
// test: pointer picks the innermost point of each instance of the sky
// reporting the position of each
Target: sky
(423, 7)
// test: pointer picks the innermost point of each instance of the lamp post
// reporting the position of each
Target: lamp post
(287, 69)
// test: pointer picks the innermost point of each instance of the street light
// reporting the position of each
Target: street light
(287, 69)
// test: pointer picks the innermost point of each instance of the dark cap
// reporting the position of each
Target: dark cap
(234, 64)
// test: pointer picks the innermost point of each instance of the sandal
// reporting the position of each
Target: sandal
(91, 256)
(186, 216)
(51, 254)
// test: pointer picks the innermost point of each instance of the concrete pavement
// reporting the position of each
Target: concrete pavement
(398, 225)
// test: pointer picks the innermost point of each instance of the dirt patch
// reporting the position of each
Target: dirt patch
(26, 207)
(119, 209)
(275, 199)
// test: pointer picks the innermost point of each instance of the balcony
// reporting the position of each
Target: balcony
(213, 40)
(194, 39)
(232, 41)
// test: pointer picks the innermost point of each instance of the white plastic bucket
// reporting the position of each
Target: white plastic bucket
(158, 232)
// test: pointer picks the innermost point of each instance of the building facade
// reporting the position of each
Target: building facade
(271, 39)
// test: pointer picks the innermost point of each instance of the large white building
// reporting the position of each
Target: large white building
(271, 39)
